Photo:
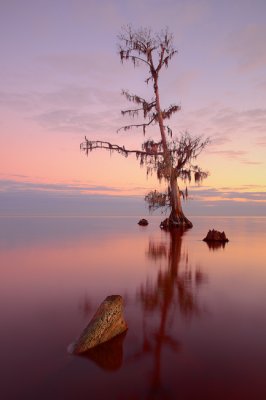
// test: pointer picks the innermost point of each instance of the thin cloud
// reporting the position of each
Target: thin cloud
(67, 97)
(235, 119)
(29, 198)
(71, 120)
(93, 64)
(232, 154)
(243, 187)
(248, 46)
(223, 125)
(218, 141)
(19, 186)
(76, 188)
(236, 155)
(227, 193)
(248, 162)
(69, 109)
(261, 140)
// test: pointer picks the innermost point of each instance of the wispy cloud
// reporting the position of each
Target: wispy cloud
(249, 193)
(230, 153)
(65, 97)
(223, 124)
(70, 120)
(261, 140)
(249, 162)
(248, 46)
(9, 185)
(244, 120)
(216, 141)
(238, 155)
(70, 108)
(25, 184)
(39, 198)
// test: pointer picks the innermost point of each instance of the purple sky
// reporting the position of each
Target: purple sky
(61, 79)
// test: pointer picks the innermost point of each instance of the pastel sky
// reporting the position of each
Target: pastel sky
(61, 79)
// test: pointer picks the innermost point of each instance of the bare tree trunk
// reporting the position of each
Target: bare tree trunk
(161, 125)
(177, 217)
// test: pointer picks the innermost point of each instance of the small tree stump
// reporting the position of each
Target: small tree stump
(143, 222)
(107, 323)
(215, 236)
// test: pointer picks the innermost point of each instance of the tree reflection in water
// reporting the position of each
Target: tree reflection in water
(171, 295)
(174, 289)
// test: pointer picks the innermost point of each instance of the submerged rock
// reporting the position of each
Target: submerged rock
(182, 223)
(143, 222)
(216, 236)
(107, 323)
(165, 224)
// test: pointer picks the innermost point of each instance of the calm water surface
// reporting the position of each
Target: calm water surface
(196, 315)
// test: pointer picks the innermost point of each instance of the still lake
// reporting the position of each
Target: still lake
(196, 315)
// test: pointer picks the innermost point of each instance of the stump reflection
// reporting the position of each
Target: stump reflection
(215, 245)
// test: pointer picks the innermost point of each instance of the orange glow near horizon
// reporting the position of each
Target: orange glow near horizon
(54, 93)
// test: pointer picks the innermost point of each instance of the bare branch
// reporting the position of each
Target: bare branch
(143, 126)
(146, 106)
(124, 54)
(90, 145)
(160, 64)
(131, 113)
(140, 45)
(186, 149)
(168, 58)
(138, 100)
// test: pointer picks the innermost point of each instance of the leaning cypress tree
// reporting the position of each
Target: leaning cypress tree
(171, 158)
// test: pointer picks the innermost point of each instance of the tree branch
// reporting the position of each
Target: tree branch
(160, 64)
(124, 54)
(171, 110)
(90, 145)
(127, 127)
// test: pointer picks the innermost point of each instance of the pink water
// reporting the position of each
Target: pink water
(196, 316)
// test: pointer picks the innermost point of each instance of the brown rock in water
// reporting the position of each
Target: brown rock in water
(215, 236)
(143, 222)
(107, 323)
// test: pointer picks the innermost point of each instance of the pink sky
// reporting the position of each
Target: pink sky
(62, 79)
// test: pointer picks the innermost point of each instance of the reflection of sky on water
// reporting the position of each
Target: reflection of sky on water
(26, 231)
(194, 315)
